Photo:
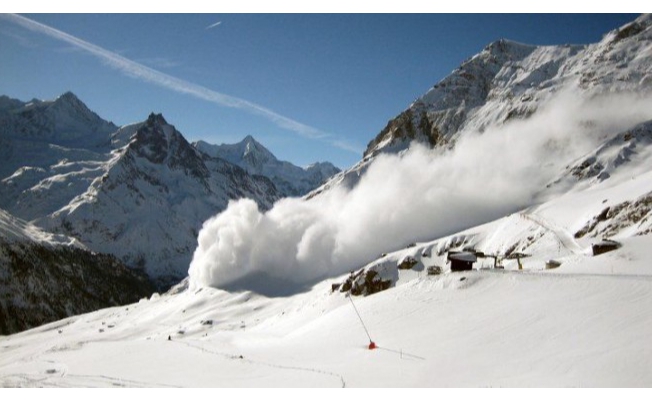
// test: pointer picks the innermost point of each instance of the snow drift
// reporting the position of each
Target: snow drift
(419, 194)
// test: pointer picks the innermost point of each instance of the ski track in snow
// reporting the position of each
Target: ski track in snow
(565, 237)
(75, 380)
(266, 364)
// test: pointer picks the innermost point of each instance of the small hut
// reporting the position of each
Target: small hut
(605, 246)
(462, 260)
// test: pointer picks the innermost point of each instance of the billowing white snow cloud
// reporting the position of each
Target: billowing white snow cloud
(420, 195)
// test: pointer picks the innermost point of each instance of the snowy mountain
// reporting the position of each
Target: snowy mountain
(46, 277)
(149, 205)
(51, 151)
(140, 192)
(535, 166)
(65, 120)
(254, 158)
(39, 131)
(509, 81)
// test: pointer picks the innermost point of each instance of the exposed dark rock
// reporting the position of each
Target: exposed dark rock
(434, 270)
(407, 263)
(43, 283)
(365, 282)
(617, 217)
(629, 30)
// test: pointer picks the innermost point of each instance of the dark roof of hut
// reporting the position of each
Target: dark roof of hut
(463, 256)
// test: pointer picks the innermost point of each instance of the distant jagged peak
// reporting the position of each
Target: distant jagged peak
(255, 149)
(248, 149)
(69, 97)
(69, 111)
(161, 143)
(250, 142)
(156, 119)
(256, 159)
(70, 100)
(155, 127)
(249, 139)
(326, 167)
(66, 120)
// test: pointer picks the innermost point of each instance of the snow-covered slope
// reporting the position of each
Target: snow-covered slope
(18, 230)
(629, 152)
(253, 157)
(585, 323)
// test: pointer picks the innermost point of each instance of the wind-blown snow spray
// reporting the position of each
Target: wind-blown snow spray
(421, 194)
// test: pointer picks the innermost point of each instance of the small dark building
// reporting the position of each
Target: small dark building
(462, 261)
(605, 246)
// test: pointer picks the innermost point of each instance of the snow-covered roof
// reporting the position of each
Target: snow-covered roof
(463, 256)
(607, 243)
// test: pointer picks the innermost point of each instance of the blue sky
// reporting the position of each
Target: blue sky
(309, 87)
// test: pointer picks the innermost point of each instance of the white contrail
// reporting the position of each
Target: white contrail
(211, 26)
(140, 71)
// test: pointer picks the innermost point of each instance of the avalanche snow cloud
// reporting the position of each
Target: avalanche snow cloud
(420, 194)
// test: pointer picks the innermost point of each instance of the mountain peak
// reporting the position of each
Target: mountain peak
(254, 158)
(156, 119)
(68, 96)
(510, 47)
(252, 148)
(509, 80)
(70, 100)
(63, 121)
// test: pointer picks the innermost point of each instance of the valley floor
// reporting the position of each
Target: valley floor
(587, 323)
